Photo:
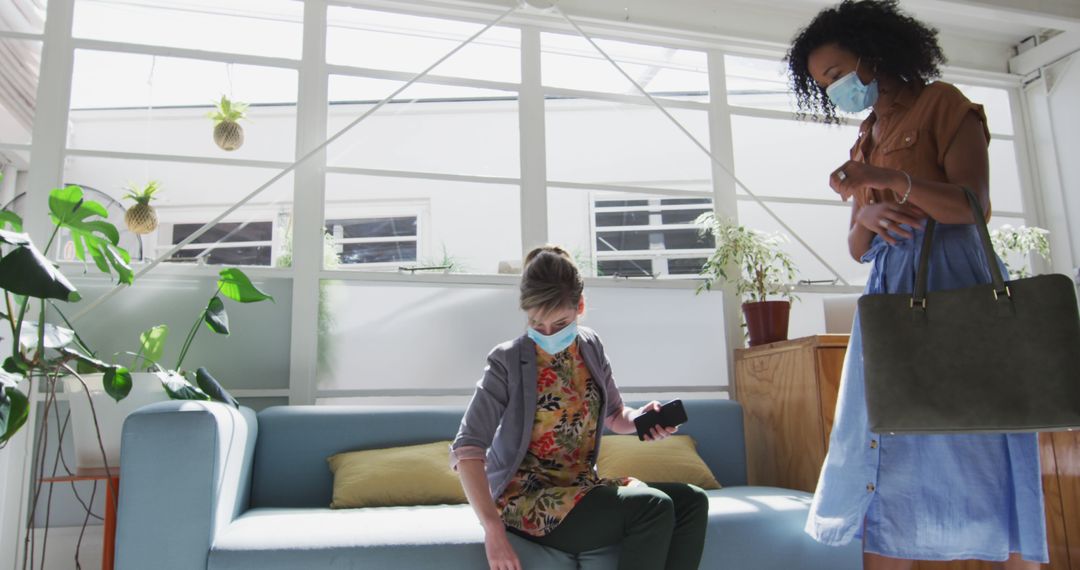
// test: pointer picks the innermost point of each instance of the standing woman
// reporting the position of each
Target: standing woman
(527, 447)
(910, 497)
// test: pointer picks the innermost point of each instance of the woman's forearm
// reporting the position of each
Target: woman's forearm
(859, 239)
(475, 483)
(945, 202)
(623, 422)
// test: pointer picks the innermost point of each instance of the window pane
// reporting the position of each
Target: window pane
(627, 267)
(401, 251)
(19, 61)
(617, 143)
(779, 157)
(401, 42)
(995, 102)
(256, 27)
(687, 239)
(570, 61)
(622, 241)
(471, 226)
(688, 266)
(638, 218)
(1005, 191)
(376, 227)
(758, 83)
(28, 19)
(191, 195)
(226, 232)
(149, 104)
(682, 216)
(475, 131)
(258, 255)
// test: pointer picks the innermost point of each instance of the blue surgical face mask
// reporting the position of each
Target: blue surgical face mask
(850, 95)
(555, 343)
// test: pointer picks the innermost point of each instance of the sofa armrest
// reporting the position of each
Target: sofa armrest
(185, 473)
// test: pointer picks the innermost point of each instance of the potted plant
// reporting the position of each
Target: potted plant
(228, 134)
(141, 218)
(1010, 242)
(150, 381)
(755, 263)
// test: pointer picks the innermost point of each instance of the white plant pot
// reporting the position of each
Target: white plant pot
(145, 389)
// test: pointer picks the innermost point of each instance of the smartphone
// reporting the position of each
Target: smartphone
(671, 414)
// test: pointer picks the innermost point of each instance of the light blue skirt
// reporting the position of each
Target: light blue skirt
(926, 497)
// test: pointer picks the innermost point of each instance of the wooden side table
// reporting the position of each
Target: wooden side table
(112, 490)
(788, 391)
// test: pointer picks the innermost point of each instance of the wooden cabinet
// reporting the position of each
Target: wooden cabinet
(788, 391)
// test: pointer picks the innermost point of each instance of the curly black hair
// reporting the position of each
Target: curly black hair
(878, 32)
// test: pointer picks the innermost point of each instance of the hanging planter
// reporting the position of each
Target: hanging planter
(228, 134)
(141, 218)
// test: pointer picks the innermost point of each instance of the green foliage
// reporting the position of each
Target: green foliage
(68, 209)
(10, 219)
(152, 343)
(227, 110)
(145, 194)
(752, 260)
(215, 316)
(1020, 241)
(27, 275)
(235, 285)
(25, 271)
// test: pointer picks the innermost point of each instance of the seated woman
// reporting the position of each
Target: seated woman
(527, 447)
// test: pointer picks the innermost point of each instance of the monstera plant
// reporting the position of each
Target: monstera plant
(32, 285)
(46, 352)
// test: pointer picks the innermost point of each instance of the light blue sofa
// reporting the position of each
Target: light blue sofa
(207, 486)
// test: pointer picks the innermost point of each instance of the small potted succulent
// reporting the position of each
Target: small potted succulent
(141, 218)
(228, 134)
(759, 268)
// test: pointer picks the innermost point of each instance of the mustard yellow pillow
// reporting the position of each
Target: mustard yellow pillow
(670, 460)
(396, 476)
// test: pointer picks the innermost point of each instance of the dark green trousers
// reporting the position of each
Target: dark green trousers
(659, 527)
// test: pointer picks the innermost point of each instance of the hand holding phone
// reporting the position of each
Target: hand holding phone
(671, 414)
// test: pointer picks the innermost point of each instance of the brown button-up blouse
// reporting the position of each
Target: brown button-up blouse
(915, 134)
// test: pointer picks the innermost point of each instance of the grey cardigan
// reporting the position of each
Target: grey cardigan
(498, 423)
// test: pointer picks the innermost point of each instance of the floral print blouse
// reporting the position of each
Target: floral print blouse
(559, 467)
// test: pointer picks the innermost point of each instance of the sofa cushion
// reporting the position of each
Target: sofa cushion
(670, 460)
(395, 476)
(750, 528)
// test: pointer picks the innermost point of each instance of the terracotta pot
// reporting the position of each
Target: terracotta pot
(767, 321)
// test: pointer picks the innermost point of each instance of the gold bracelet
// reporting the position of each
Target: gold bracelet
(908, 193)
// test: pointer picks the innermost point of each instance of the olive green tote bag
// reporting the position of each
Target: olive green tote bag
(1001, 357)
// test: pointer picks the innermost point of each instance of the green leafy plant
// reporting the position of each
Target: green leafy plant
(43, 351)
(1020, 241)
(753, 261)
(232, 284)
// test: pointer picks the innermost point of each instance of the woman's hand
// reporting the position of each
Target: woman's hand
(500, 554)
(855, 176)
(657, 432)
(882, 218)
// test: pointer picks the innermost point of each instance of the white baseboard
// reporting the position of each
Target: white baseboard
(60, 553)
